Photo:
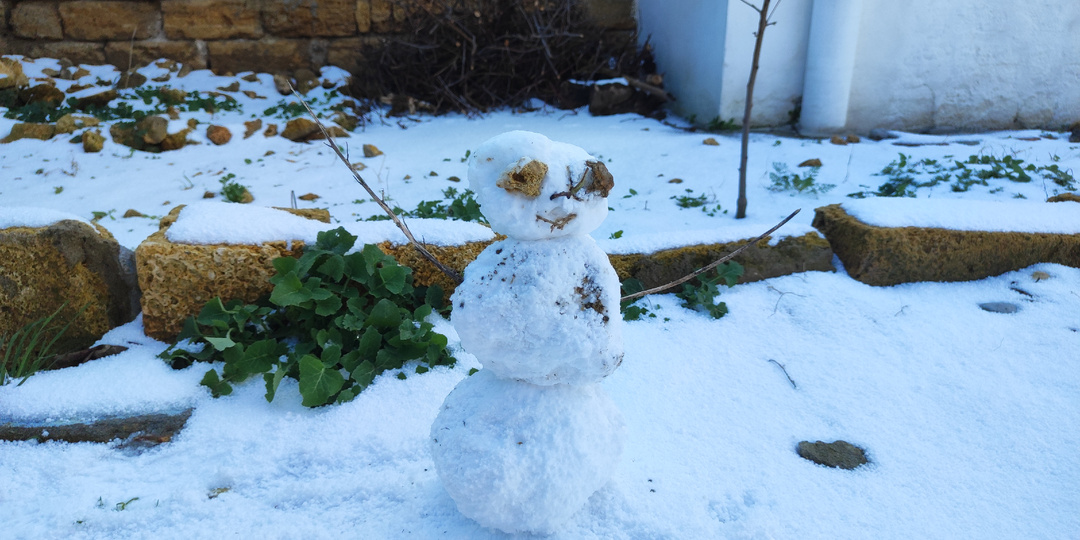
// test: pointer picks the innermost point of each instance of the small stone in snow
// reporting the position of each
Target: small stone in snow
(838, 454)
(812, 162)
(1039, 276)
(370, 150)
(710, 142)
(838, 140)
(999, 307)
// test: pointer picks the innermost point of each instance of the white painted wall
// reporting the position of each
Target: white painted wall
(920, 65)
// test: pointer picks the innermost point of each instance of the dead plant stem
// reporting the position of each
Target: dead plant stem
(712, 265)
(397, 221)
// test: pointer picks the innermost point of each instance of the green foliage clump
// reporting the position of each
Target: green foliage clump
(785, 180)
(461, 206)
(905, 176)
(334, 321)
(231, 190)
(702, 297)
(702, 201)
(699, 297)
(30, 348)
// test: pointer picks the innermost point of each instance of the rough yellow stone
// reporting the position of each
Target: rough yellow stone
(893, 255)
(69, 264)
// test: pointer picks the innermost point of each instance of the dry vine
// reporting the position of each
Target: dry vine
(711, 265)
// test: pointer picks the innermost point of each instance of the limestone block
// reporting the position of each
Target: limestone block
(211, 19)
(267, 55)
(363, 16)
(76, 52)
(382, 16)
(310, 18)
(352, 54)
(96, 20)
(68, 261)
(36, 20)
(142, 53)
(891, 255)
(791, 254)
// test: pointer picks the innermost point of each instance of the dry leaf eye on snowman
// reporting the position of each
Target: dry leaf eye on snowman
(525, 177)
(594, 179)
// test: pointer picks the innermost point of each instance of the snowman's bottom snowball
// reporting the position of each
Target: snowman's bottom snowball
(523, 458)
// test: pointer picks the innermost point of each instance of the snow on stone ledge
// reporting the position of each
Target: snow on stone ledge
(654, 242)
(28, 216)
(230, 223)
(966, 215)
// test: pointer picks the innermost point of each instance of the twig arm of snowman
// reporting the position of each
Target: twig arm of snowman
(711, 265)
(397, 221)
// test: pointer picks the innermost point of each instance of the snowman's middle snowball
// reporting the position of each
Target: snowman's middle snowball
(541, 311)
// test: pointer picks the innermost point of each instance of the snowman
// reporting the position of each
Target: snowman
(523, 443)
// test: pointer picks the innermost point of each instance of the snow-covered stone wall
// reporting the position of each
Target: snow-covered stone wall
(919, 65)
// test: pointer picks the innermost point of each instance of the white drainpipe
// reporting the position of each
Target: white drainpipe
(830, 65)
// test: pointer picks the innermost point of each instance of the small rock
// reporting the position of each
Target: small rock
(208, 195)
(711, 142)
(300, 129)
(879, 134)
(185, 70)
(153, 128)
(71, 122)
(42, 93)
(133, 213)
(838, 140)
(178, 140)
(610, 99)
(334, 131)
(308, 197)
(525, 179)
(1064, 197)
(281, 82)
(251, 127)
(346, 121)
(162, 78)
(999, 307)
(675, 181)
(853, 139)
(305, 80)
(358, 166)
(453, 179)
(218, 135)
(251, 94)
(172, 96)
(246, 197)
(370, 150)
(92, 141)
(131, 79)
(838, 454)
(100, 99)
(1074, 133)
(11, 74)
(1039, 276)
(235, 86)
(433, 173)
(41, 132)
(270, 130)
(172, 113)
(814, 162)
(251, 77)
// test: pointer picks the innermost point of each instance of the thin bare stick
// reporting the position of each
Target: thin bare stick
(397, 221)
(784, 369)
(712, 265)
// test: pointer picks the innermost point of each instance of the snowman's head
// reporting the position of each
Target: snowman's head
(531, 188)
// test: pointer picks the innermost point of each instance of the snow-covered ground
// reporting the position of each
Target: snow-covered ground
(971, 419)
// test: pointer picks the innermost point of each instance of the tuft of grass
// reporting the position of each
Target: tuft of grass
(30, 348)
(785, 180)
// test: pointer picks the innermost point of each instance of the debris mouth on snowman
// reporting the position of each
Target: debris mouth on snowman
(522, 444)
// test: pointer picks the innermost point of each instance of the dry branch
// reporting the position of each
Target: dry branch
(397, 221)
(710, 266)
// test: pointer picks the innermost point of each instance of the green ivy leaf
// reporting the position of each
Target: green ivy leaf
(364, 374)
(273, 381)
(217, 386)
(289, 291)
(317, 382)
(393, 278)
(370, 343)
(385, 314)
(336, 240)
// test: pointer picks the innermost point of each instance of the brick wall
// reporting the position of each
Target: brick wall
(224, 35)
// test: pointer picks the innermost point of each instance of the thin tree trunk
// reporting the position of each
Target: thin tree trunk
(763, 21)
